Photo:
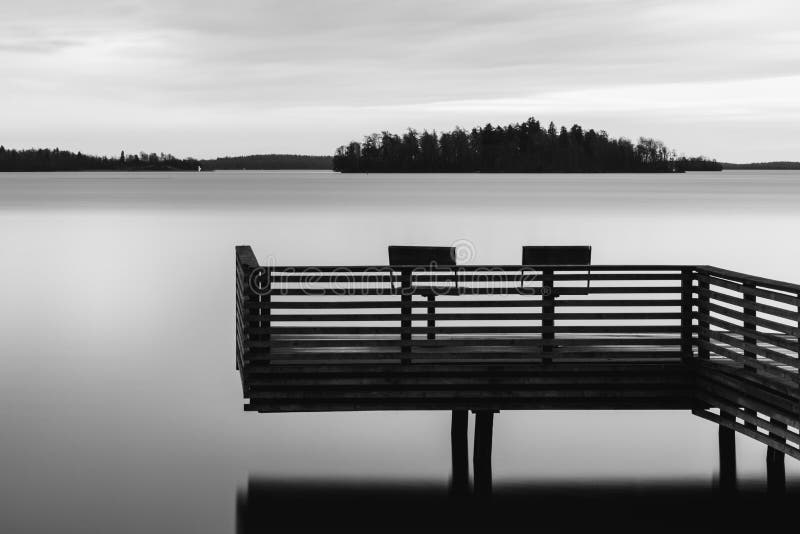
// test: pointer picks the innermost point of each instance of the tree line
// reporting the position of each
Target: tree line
(270, 162)
(765, 166)
(45, 159)
(525, 147)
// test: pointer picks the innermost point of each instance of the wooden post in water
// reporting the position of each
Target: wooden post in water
(776, 472)
(459, 448)
(727, 459)
(548, 308)
(482, 452)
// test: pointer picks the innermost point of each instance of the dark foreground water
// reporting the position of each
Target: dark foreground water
(121, 411)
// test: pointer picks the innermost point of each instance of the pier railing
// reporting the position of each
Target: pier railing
(747, 355)
(723, 344)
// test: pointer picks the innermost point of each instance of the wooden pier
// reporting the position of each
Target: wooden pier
(510, 337)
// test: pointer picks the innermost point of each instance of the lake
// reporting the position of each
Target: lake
(121, 409)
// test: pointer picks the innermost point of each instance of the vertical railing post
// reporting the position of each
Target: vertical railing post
(548, 310)
(686, 313)
(749, 326)
(264, 309)
(405, 311)
(703, 300)
(431, 313)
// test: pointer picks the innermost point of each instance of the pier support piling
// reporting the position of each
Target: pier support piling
(482, 452)
(727, 460)
(459, 447)
(776, 472)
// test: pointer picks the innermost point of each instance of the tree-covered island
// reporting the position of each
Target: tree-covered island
(525, 147)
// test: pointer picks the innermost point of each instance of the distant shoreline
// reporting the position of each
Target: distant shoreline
(55, 160)
(763, 166)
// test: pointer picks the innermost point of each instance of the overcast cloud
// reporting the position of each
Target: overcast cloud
(719, 78)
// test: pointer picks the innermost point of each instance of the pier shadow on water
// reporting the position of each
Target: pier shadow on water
(275, 505)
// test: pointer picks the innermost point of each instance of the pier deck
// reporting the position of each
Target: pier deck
(490, 338)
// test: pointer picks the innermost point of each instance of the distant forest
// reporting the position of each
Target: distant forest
(44, 159)
(765, 166)
(271, 162)
(525, 147)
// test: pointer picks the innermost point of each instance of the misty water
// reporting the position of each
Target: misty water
(120, 407)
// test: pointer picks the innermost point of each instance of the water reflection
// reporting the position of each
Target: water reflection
(633, 505)
(620, 505)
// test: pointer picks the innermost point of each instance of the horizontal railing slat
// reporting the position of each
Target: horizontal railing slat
(458, 291)
(460, 277)
(349, 342)
(468, 268)
(464, 357)
(461, 329)
(365, 317)
(462, 303)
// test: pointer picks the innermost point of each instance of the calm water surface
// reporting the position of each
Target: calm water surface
(120, 406)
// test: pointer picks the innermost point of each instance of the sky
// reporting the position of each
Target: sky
(203, 78)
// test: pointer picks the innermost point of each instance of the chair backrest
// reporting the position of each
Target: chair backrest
(413, 255)
(557, 255)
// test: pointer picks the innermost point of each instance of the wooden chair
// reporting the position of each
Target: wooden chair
(418, 256)
(557, 255)
(553, 255)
